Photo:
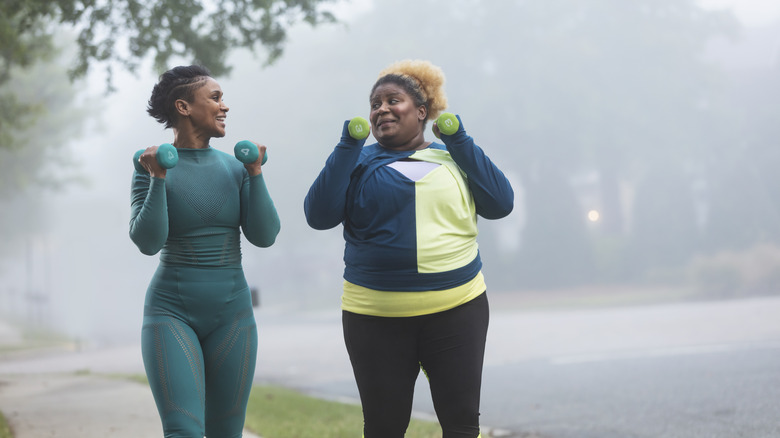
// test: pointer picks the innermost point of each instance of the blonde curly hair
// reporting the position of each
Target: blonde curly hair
(423, 80)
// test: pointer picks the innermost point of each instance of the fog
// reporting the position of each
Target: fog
(640, 148)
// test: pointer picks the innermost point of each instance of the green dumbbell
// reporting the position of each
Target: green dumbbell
(167, 157)
(247, 152)
(358, 128)
(447, 123)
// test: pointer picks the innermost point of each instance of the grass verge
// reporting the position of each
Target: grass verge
(5, 430)
(275, 412)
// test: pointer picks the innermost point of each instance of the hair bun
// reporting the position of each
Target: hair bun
(431, 80)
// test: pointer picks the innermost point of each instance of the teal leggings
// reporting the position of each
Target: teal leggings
(199, 344)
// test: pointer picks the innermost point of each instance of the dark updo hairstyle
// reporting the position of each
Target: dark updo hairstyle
(423, 81)
(176, 83)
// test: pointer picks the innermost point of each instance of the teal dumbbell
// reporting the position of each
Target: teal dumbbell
(358, 128)
(167, 157)
(247, 152)
(447, 123)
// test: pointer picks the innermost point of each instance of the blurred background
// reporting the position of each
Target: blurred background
(640, 138)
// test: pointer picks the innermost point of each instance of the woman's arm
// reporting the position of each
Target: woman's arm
(492, 192)
(259, 219)
(148, 213)
(324, 204)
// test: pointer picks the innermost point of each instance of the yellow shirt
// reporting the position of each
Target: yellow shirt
(365, 301)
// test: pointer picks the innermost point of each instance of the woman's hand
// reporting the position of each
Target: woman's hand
(255, 168)
(148, 160)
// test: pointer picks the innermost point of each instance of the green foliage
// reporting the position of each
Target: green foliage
(126, 31)
(24, 34)
(5, 430)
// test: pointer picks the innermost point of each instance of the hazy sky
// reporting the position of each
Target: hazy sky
(750, 12)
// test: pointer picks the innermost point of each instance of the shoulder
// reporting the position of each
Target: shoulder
(370, 150)
(227, 158)
(229, 162)
(222, 154)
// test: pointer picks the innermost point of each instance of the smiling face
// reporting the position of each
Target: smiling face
(206, 111)
(396, 122)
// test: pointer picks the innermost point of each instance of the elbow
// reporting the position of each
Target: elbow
(500, 205)
(147, 250)
(267, 239)
(320, 220)
(316, 223)
(499, 211)
(321, 223)
(144, 244)
(506, 210)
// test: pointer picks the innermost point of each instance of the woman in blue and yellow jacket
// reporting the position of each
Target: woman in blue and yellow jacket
(414, 294)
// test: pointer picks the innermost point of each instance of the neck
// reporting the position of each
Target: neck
(189, 139)
(414, 144)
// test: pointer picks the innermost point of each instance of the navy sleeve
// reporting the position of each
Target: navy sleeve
(492, 192)
(326, 200)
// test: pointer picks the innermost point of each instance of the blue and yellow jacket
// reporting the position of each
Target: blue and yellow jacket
(409, 226)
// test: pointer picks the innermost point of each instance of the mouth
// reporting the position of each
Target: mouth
(385, 122)
(221, 119)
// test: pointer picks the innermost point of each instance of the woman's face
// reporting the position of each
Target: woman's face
(395, 120)
(207, 111)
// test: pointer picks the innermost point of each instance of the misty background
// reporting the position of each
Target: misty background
(640, 139)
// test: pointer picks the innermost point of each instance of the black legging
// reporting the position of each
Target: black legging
(387, 353)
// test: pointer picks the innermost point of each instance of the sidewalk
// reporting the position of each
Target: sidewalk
(48, 404)
(74, 405)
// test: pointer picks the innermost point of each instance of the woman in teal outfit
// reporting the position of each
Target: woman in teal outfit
(199, 338)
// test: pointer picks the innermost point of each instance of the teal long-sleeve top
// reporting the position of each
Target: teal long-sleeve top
(405, 234)
(195, 214)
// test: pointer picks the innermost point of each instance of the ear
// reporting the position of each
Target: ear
(422, 112)
(182, 107)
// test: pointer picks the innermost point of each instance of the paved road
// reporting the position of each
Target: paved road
(723, 394)
(695, 370)
(676, 370)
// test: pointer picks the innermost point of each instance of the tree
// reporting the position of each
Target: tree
(36, 157)
(205, 32)
(124, 32)
(37, 160)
